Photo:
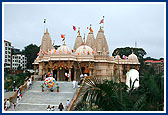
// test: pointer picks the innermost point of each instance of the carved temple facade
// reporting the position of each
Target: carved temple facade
(90, 57)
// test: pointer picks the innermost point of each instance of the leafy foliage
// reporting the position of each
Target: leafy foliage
(105, 95)
(30, 52)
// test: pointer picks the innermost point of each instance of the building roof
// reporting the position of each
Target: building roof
(152, 61)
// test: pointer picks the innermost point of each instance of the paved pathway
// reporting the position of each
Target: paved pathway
(36, 100)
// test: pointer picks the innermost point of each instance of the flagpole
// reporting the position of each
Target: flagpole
(44, 24)
(103, 22)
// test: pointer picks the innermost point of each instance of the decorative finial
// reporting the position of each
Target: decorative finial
(46, 30)
(84, 38)
(79, 31)
(132, 51)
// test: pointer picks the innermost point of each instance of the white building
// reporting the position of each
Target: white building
(19, 60)
(7, 54)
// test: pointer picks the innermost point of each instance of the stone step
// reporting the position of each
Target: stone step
(36, 100)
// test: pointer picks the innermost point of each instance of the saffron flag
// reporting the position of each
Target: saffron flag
(91, 30)
(62, 35)
(74, 28)
(102, 21)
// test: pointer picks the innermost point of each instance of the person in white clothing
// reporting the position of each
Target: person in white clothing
(52, 108)
(48, 108)
(28, 84)
(8, 103)
(67, 104)
(74, 83)
(17, 100)
(30, 81)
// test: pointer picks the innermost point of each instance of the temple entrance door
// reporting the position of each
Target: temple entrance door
(62, 74)
(55, 74)
(82, 69)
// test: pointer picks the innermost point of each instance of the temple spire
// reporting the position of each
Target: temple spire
(46, 31)
(79, 31)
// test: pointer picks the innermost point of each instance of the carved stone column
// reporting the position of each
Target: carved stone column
(58, 75)
(128, 68)
(35, 69)
(69, 79)
(40, 69)
(75, 74)
(137, 67)
(90, 72)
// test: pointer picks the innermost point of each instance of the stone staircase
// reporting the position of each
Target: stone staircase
(36, 100)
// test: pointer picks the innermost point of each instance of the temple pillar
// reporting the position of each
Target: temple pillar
(69, 79)
(128, 68)
(75, 74)
(40, 69)
(137, 67)
(58, 75)
(90, 72)
(34, 69)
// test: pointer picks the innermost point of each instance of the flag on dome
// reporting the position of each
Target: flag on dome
(62, 35)
(44, 21)
(74, 28)
(91, 30)
(102, 21)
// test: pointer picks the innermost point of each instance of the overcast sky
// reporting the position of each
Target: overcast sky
(124, 24)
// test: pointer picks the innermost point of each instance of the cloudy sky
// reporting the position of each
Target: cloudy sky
(124, 24)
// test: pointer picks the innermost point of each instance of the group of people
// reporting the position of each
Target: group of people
(50, 108)
(7, 105)
(60, 107)
(19, 98)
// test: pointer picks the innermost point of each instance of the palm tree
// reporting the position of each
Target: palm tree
(104, 95)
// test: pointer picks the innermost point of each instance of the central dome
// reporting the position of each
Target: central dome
(64, 49)
(84, 50)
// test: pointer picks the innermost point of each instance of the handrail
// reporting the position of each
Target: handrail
(14, 94)
(79, 91)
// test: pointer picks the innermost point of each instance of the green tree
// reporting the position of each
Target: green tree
(139, 52)
(105, 95)
(30, 52)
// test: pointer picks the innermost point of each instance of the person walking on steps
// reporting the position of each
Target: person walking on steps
(60, 107)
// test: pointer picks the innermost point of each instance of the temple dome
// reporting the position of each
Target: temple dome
(133, 57)
(84, 50)
(64, 49)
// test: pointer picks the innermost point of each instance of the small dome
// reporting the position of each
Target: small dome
(64, 49)
(133, 57)
(84, 50)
